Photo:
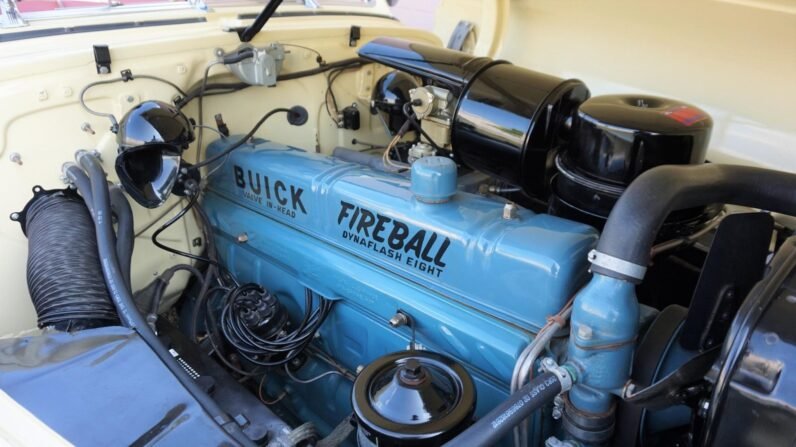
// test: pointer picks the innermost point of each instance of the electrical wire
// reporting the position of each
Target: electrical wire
(154, 221)
(200, 110)
(191, 202)
(313, 379)
(260, 394)
(241, 141)
(276, 350)
(319, 59)
(330, 78)
(385, 156)
(82, 99)
(411, 118)
(208, 89)
(194, 197)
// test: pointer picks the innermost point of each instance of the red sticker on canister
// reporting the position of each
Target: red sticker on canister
(686, 115)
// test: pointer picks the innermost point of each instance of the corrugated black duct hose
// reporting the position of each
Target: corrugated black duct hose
(64, 273)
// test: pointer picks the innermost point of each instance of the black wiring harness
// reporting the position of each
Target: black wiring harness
(267, 344)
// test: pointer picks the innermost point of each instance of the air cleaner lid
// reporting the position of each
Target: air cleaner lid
(413, 395)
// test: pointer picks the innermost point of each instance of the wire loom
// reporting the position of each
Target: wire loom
(280, 348)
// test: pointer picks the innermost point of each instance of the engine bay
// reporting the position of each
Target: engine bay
(488, 255)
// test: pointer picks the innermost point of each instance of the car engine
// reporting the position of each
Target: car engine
(523, 264)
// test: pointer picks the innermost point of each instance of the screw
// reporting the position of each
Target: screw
(704, 406)
(104, 70)
(557, 413)
(399, 319)
(43, 95)
(510, 211)
(243, 238)
(130, 98)
(791, 299)
(548, 363)
(14, 216)
(15, 158)
(585, 332)
(360, 368)
(86, 127)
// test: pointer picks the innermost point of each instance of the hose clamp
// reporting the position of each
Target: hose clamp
(564, 375)
(617, 265)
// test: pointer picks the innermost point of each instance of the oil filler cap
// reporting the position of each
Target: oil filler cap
(434, 179)
(412, 398)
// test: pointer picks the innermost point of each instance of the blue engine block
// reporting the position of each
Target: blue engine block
(478, 286)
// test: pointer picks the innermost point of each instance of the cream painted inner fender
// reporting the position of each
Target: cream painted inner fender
(40, 120)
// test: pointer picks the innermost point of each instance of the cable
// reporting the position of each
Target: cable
(333, 75)
(319, 59)
(110, 116)
(241, 141)
(260, 393)
(154, 221)
(411, 118)
(191, 202)
(200, 112)
(230, 87)
(388, 162)
(313, 379)
(165, 279)
(274, 350)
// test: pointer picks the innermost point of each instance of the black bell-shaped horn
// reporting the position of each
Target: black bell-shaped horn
(151, 139)
(149, 173)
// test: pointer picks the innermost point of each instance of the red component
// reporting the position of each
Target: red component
(686, 115)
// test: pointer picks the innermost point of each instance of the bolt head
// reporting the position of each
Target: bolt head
(398, 320)
(243, 238)
(510, 211)
(585, 332)
(704, 406)
(413, 366)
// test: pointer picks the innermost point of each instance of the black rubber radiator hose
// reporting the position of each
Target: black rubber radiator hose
(125, 234)
(640, 211)
(122, 296)
(64, 277)
(496, 424)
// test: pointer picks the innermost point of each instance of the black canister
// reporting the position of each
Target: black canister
(614, 139)
(412, 398)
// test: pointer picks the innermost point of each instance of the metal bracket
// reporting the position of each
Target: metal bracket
(261, 68)
(10, 17)
(617, 265)
(354, 35)
(102, 58)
